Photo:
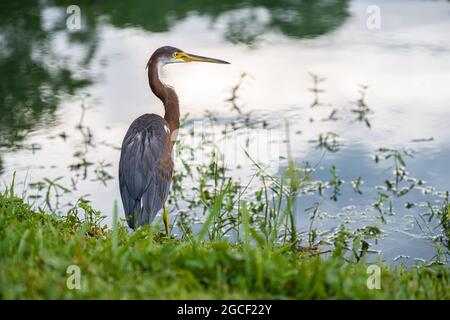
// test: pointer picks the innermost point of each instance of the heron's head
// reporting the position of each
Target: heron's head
(167, 54)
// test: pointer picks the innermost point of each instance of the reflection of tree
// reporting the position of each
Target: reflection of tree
(294, 18)
(298, 19)
(30, 89)
(33, 76)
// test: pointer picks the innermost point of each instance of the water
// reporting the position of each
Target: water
(48, 73)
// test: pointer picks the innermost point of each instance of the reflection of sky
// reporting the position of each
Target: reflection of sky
(402, 234)
(406, 64)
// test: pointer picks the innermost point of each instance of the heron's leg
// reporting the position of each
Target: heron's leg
(166, 220)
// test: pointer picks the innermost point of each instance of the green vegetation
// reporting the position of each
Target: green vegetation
(234, 239)
(36, 249)
(252, 235)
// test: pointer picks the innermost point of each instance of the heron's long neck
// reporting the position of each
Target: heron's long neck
(166, 94)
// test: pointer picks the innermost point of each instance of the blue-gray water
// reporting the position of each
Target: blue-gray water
(48, 73)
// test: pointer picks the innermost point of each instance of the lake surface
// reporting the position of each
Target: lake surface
(68, 98)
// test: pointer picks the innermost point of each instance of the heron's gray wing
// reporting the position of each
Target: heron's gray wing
(155, 195)
(144, 171)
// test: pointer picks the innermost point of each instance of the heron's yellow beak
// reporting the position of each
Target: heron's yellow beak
(187, 57)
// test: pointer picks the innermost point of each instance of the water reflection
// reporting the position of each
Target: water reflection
(48, 73)
(34, 75)
(248, 19)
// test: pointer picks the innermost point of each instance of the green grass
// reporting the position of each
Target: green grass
(36, 249)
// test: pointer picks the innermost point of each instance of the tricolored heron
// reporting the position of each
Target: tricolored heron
(146, 166)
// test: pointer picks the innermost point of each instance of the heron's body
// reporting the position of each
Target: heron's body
(145, 184)
(146, 165)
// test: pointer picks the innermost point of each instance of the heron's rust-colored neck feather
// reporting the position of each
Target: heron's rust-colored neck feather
(166, 94)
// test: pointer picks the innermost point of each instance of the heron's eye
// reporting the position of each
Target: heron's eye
(175, 55)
